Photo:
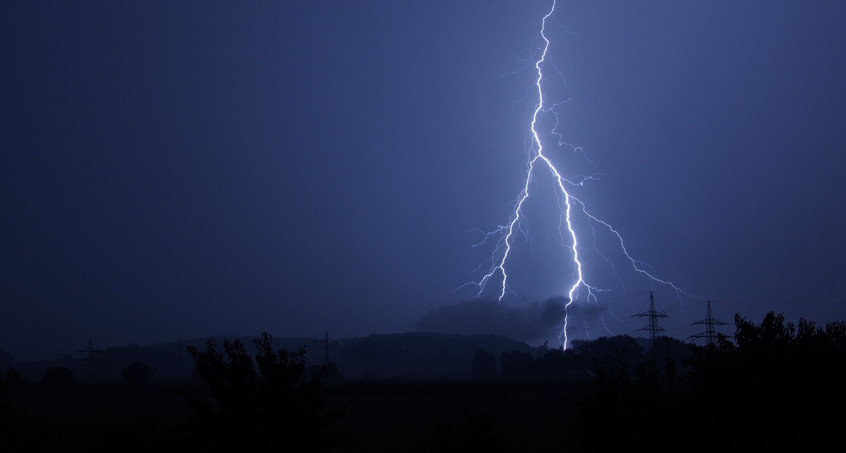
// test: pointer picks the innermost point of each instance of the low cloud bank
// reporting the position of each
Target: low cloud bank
(529, 321)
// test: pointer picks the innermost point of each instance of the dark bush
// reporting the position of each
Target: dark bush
(261, 402)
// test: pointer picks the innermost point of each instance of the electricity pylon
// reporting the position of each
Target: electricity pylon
(710, 334)
(90, 358)
(653, 326)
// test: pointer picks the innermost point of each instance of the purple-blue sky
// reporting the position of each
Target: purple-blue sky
(171, 170)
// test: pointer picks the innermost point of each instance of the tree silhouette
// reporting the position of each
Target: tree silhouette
(776, 389)
(780, 375)
(262, 401)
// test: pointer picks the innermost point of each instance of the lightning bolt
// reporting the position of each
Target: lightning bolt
(570, 205)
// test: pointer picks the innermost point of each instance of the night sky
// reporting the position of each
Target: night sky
(177, 169)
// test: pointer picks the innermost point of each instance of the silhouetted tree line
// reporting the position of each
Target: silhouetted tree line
(19, 431)
(264, 402)
(577, 363)
(268, 401)
(781, 385)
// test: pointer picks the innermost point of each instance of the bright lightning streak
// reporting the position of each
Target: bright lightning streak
(570, 203)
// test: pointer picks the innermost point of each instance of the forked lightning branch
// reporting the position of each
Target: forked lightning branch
(571, 206)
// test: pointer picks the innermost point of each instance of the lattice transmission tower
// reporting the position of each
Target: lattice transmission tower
(710, 334)
(91, 358)
(653, 326)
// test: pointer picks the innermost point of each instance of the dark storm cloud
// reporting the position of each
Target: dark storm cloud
(526, 321)
(588, 311)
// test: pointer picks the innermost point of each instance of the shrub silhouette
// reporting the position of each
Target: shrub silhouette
(262, 402)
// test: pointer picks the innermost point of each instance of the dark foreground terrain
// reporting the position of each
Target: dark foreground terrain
(776, 386)
(414, 416)
(455, 416)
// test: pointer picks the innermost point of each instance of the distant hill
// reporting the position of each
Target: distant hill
(420, 355)
(405, 355)
(315, 347)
